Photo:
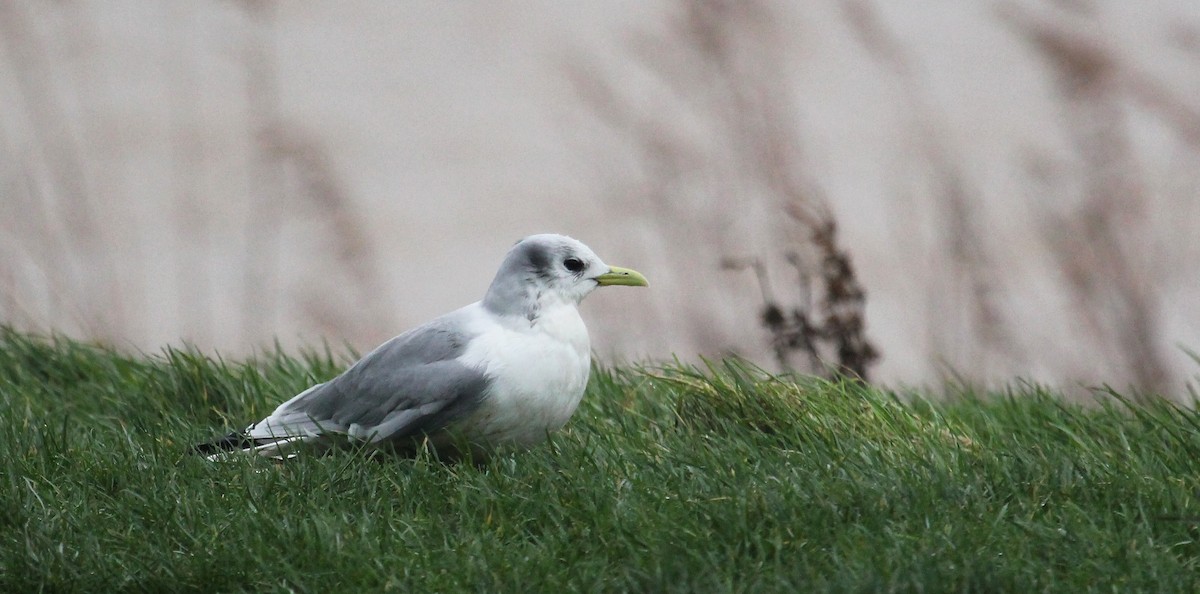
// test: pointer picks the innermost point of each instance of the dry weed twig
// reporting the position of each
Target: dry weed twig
(732, 138)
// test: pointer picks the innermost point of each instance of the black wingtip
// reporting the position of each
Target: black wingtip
(233, 442)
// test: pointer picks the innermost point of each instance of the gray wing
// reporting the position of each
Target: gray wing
(410, 385)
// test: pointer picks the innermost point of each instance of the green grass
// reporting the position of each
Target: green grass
(714, 480)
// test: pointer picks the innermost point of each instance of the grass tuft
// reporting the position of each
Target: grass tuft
(677, 478)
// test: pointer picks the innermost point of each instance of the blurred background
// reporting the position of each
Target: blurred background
(980, 190)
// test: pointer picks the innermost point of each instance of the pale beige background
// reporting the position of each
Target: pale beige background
(415, 141)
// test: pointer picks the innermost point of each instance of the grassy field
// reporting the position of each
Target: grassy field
(672, 479)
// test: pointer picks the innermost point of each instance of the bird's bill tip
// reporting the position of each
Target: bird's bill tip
(623, 277)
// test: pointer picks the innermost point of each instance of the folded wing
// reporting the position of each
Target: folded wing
(411, 386)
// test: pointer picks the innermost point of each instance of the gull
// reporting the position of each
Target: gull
(503, 371)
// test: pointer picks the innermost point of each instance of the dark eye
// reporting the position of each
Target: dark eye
(573, 264)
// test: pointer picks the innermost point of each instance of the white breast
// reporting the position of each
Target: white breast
(538, 373)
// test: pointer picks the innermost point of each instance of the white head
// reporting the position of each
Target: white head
(542, 270)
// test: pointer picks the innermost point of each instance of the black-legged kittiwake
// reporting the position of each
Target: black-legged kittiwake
(506, 370)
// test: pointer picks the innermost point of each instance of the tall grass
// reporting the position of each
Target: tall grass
(668, 479)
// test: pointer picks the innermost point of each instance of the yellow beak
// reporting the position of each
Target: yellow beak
(622, 276)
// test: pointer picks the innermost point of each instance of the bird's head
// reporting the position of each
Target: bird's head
(547, 268)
